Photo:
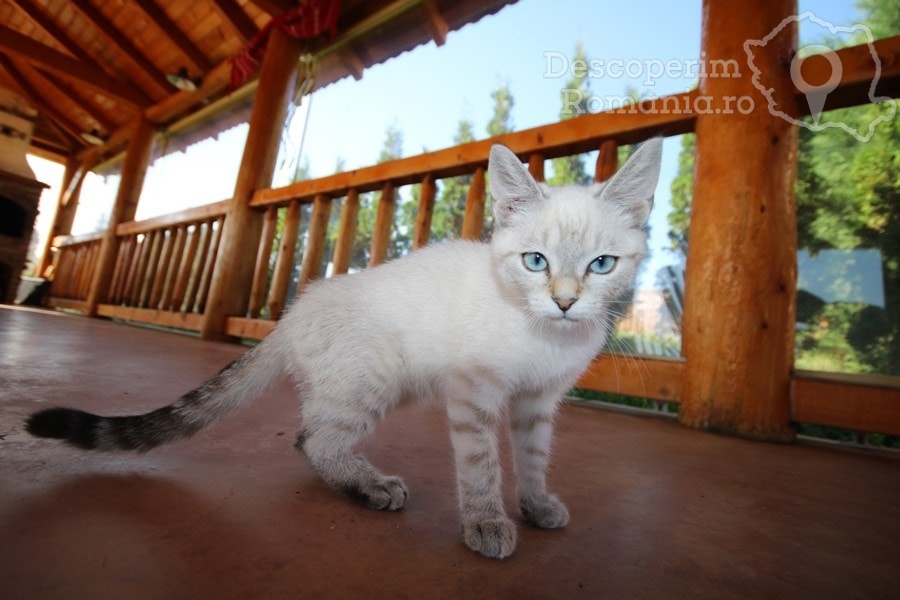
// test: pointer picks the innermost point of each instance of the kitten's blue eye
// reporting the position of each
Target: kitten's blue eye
(535, 261)
(603, 264)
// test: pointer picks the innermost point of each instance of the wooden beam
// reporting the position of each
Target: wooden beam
(237, 19)
(125, 45)
(233, 275)
(741, 273)
(46, 58)
(171, 30)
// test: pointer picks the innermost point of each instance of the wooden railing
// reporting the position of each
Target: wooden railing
(164, 265)
(162, 273)
(74, 264)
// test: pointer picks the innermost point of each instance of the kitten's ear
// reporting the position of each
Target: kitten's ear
(512, 187)
(633, 185)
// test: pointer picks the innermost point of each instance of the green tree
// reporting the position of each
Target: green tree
(501, 120)
(571, 169)
(447, 218)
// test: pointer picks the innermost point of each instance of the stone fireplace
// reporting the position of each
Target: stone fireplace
(20, 192)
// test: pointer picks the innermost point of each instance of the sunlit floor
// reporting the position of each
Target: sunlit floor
(658, 511)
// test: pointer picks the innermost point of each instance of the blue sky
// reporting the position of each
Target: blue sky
(426, 92)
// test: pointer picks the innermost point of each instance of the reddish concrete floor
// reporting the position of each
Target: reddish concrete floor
(658, 511)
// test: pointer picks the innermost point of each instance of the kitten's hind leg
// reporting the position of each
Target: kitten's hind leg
(531, 429)
(328, 440)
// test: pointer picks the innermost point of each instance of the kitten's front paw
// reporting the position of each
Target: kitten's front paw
(388, 494)
(494, 538)
(546, 512)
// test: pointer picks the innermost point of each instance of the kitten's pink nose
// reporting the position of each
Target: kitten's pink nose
(565, 304)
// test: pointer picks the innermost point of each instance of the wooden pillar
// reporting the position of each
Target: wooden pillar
(134, 167)
(66, 207)
(740, 281)
(232, 280)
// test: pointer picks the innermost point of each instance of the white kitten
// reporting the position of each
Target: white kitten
(488, 329)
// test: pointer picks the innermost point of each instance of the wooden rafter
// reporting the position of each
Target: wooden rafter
(435, 22)
(48, 59)
(84, 103)
(40, 18)
(57, 120)
(175, 34)
(99, 20)
(237, 18)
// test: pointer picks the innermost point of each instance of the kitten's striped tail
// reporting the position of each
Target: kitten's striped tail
(240, 382)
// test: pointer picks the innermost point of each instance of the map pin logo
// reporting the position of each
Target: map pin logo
(816, 94)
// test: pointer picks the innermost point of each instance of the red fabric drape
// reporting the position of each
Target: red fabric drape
(305, 22)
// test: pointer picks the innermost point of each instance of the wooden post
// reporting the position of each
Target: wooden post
(384, 222)
(316, 235)
(422, 231)
(137, 157)
(607, 161)
(740, 282)
(284, 261)
(232, 279)
(66, 207)
(343, 245)
(473, 219)
(536, 166)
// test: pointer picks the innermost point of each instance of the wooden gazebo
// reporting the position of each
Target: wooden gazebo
(103, 68)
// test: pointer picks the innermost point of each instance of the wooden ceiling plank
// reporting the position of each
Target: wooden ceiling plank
(99, 21)
(57, 120)
(42, 20)
(176, 35)
(237, 18)
(274, 7)
(47, 58)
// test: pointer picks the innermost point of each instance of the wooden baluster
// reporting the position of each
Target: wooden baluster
(180, 234)
(384, 222)
(193, 290)
(343, 246)
(134, 272)
(422, 231)
(152, 264)
(284, 261)
(193, 233)
(162, 268)
(216, 237)
(123, 257)
(473, 219)
(263, 256)
(536, 166)
(315, 243)
(607, 160)
(82, 270)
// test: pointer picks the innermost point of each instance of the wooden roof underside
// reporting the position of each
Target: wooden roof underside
(94, 65)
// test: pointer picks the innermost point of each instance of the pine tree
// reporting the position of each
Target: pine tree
(571, 169)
